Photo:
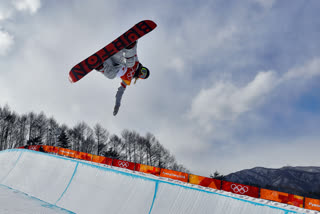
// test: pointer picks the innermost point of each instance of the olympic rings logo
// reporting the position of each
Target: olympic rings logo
(123, 164)
(33, 148)
(131, 74)
(239, 189)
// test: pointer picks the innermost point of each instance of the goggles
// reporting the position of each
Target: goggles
(143, 73)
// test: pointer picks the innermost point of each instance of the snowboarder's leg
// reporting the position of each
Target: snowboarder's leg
(130, 54)
(109, 68)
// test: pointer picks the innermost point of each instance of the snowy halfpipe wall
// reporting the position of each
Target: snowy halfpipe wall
(83, 187)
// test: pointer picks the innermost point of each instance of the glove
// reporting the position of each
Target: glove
(116, 109)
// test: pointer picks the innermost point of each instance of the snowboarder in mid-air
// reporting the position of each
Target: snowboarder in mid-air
(117, 59)
(125, 65)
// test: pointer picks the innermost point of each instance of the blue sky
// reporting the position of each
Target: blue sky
(233, 84)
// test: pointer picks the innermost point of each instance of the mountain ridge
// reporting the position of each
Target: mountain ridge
(299, 180)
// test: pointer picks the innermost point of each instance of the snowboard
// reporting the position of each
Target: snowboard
(87, 65)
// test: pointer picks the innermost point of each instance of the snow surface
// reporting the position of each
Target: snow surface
(63, 185)
(13, 201)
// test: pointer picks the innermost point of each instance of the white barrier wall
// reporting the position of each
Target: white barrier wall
(107, 191)
(41, 176)
(174, 199)
(81, 187)
(7, 162)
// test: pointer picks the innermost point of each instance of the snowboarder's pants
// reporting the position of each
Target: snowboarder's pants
(110, 69)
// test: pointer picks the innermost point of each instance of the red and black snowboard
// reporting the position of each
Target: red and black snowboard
(136, 32)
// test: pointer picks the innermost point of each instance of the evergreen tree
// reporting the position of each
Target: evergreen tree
(111, 154)
(63, 140)
(115, 144)
(34, 141)
(217, 175)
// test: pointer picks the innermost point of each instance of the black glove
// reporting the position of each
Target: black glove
(116, 109)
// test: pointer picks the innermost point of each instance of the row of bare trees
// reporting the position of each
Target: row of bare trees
(33, 129)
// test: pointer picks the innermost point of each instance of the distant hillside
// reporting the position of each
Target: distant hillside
(304, 181)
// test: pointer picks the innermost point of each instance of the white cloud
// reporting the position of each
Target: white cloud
(307, 71)
(27, 5)
(4, 14)
(226, 101)
(5, 10)
(178, 64)
(6, 41)
(9, 8)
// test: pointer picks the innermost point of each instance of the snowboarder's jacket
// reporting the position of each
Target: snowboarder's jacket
(127, 74)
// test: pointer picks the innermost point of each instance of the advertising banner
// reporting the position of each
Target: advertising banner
(123, 164)
(77, 155)
(48, 149)
(204, 181)
(55, 150)
(240, 189)
(83, 156)
(274, 195)
(34, 148)
(296, 200)
(281, 197)
(312, 204)
(147, 169)
(102, 160)
(22, 147)
(67, 152)
(181, 176)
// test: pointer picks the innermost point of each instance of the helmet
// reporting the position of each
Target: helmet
(143, 72)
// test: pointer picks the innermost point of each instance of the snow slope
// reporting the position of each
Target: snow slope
(13, 201)
(82, 187)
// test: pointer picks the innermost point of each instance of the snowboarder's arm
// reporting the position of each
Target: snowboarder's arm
(119, 94)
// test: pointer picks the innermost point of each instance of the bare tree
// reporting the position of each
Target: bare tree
(31, 124)
(52, 132)
(142, 149)
(127, 138)
(88, 139)
(77, 136)
(101, 137)
(130, 141)
(7, 122)
(35, 128)
(149, 140)
(21, 131)
(41, 125)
